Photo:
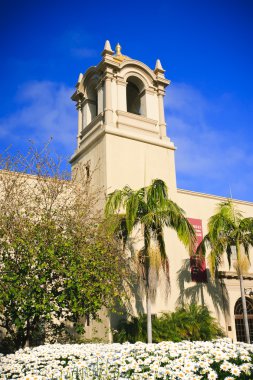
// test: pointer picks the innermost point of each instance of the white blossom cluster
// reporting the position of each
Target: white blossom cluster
(220, 359)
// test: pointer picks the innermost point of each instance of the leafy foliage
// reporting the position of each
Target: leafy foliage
(191, 322)
(58, 261)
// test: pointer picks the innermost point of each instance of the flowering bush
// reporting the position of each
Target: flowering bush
(219, 359)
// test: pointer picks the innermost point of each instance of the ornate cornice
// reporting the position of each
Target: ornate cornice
(233, 275)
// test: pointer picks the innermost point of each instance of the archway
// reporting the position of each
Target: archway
(135, 96)
(239, 325)
(92, 100)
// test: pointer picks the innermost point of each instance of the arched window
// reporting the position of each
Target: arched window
(135, 96)
(133, 99)
(92, 100)
(239, 324)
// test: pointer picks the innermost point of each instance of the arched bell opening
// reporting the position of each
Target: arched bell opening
(135, 96)
(90, 103)
(92, 98)
(239, 323)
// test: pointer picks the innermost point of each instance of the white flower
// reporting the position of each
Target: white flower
(235, 370)
(225, 366)
(184, 360)
(245, 367)
(212, 375)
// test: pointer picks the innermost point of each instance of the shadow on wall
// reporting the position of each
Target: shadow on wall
(129, 309)
(135, 304)
(214, 288)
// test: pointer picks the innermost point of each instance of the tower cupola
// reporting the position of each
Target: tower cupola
(120, 87)
(121, 100)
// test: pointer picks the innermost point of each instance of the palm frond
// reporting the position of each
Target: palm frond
(214, 260)
(246, 246)
(186, 233)
(157, 194)
(155, 259)
(172, 216)
(114, 202)
(147, 238)
(153, 218)
(219, 227)
(132, 209)
(242, 264)
(229, 211)
(177, 221)
(159, 237)
(117, 200)
(229, 254)
(203, 246)
(246, 228)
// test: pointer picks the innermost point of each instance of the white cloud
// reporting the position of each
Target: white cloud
(44, 110)
(213, 154)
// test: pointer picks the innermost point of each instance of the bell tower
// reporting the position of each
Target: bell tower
(121, 123)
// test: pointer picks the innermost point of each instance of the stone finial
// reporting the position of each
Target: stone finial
(118, 49)
(158, 67)
(107, 45)
(107, 49)
(80, 77)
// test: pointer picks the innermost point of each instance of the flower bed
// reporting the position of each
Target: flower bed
(219, 359)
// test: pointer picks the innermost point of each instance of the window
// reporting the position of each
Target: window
(87, 169)
(239, 325)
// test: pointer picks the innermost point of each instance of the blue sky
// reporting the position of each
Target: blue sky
(204, 46)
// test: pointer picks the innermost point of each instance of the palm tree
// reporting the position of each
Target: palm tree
(229, 232)
(152, 209)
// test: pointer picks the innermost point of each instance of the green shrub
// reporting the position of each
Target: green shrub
(191, 322)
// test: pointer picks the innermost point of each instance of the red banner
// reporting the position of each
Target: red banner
(197, 262)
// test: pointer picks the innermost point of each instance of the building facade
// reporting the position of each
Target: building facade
(122, 131)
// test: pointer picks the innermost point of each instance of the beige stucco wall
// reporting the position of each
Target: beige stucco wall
(134, 163)
(202, 206)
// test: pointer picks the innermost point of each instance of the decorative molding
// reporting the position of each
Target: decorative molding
(136, 117)
(120, 81)
(160, 91)
(233, 275)
(88, 101)
(140, 65)
(211, 196)
(97, 120)
(78, 95)
(150, 91)
(166, 143)
(96, 130)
